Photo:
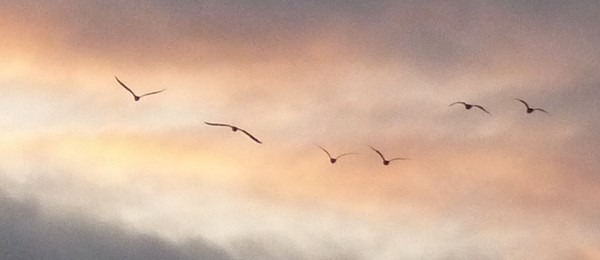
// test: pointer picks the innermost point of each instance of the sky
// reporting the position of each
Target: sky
(87, 173)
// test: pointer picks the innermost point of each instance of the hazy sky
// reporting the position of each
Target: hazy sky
(88, 173)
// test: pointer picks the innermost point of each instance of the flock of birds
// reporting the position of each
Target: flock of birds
(529, 109)
(332, 159)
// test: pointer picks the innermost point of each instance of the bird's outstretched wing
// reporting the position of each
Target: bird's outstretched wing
(324, 151)
(483, 109)
(399, 159)
(152, 93)
(124, 86)
(218, 124)
(250, 135)
(344, 154)
(462, 103)
(542, 110)
(378, 152)
(524, 103)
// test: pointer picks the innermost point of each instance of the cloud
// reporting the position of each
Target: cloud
(27, 233)
(437, 37)
(340, 73)
(459, 207)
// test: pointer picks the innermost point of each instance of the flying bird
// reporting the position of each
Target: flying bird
(529, 109)
(469, 106)
(136, 97)
(385, 161)
(235, 129)
(334, 159)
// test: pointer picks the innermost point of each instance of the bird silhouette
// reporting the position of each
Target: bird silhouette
(530, 109)
(334, 159)
(235, 129)
(469, 106)
(386, 161)
(136, 97)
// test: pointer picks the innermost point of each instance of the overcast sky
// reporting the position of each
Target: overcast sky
(87, 172)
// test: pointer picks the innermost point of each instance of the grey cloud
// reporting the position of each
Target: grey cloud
(439, 37)
(271, 246)
(27, 233)
(266, 249)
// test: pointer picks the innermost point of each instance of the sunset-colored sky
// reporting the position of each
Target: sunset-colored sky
(87, 173)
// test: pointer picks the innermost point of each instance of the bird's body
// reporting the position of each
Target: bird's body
(530, 109)
(386, 162)
(235, 129)
(469, 106)
(136, 98)
(333, 160)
